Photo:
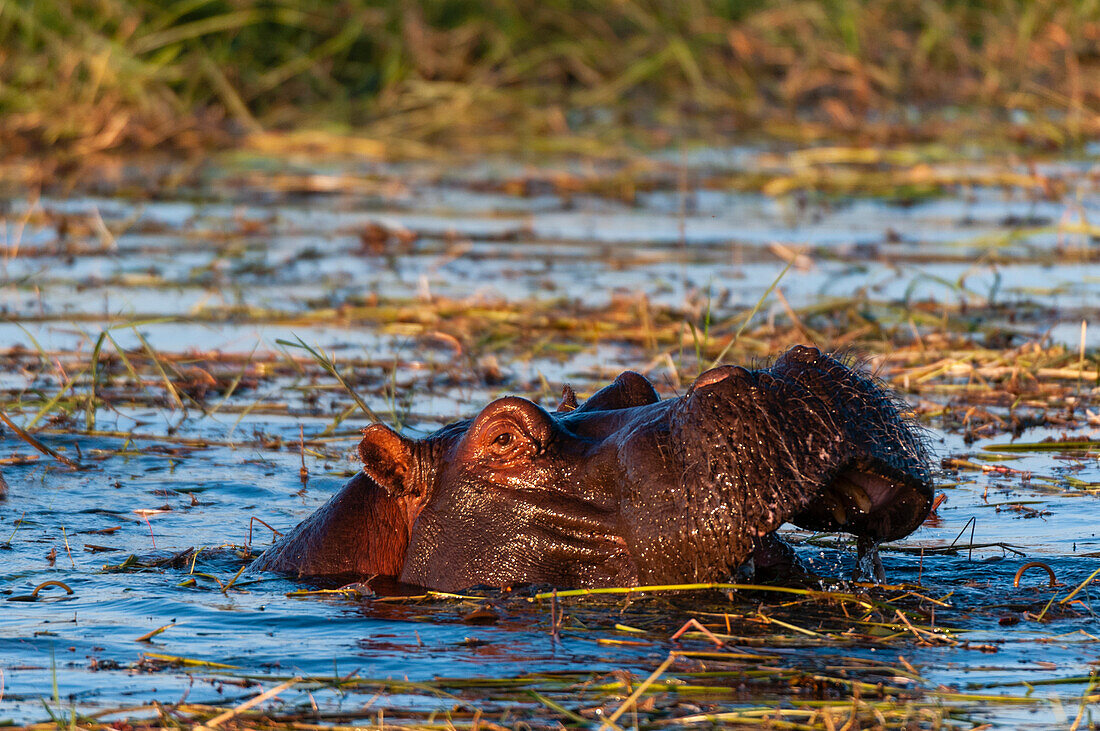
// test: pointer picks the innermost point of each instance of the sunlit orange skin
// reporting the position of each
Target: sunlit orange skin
(627, 488)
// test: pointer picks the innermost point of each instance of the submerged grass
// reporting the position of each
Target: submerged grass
(84, 77)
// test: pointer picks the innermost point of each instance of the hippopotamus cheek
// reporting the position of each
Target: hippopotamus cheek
(456, 544)
(654, 515)
(436, 553)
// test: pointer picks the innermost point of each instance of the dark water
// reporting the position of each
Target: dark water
(240, 267)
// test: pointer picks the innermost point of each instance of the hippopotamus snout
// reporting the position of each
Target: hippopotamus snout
(836, 433)
(626, 488)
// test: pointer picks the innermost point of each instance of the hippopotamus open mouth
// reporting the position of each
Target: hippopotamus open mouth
(626, 489)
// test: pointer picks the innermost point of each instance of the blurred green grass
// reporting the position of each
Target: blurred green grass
(82, 76)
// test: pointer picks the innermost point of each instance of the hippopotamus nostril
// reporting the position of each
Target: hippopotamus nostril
(630, 389)
(802, 354)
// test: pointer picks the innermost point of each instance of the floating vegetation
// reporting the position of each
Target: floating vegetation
(182, 369)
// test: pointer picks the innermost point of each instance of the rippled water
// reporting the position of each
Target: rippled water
(184, 267)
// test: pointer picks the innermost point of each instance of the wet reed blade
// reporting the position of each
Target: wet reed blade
(50, 405)
(168, 385)
(236, 381)
(93, 367)
(330, 367)
(746, 319)
(26, 437)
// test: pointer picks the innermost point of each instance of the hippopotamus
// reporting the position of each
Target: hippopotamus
(627, 488)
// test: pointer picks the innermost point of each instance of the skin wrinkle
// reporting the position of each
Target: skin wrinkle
(759, 457)
(627, 488)
(424, 461)
(532, 509)
(716, 518)
(789, 458)
(717, 531)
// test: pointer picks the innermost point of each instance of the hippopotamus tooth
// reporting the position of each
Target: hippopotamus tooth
(625, 488)
(849, 489)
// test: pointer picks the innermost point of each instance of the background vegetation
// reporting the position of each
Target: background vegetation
(86, 75)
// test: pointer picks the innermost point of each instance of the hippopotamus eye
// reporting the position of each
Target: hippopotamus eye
(508, 441)
(509, 430)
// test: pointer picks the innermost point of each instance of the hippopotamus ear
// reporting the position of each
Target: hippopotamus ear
(568, 400)
(388, 459)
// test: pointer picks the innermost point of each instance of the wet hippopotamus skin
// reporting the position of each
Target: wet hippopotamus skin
(626, 489)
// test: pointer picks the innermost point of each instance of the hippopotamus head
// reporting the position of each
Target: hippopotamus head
(626, 488)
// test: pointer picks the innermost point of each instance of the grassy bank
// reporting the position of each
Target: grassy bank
(91, 75)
